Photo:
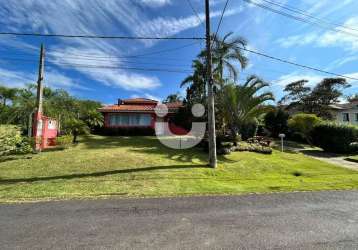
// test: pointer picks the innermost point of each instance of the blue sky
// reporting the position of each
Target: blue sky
(266, 32)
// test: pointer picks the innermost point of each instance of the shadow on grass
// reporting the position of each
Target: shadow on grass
(148, 145)
(351, 160)
(99, 174)
(14, 158)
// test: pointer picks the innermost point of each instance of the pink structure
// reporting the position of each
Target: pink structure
(44, 131)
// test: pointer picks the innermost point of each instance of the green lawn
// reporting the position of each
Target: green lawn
(141, 166)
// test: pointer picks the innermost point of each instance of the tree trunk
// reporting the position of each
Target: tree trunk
(74, 137)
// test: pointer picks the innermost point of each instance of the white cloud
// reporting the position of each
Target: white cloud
(156, 3)
(100, 17)
(14, 78)
(52, 78)
(295, 76)
(146, 95)
(342, 61)
(346, 39)
(55, 79)
(149, 96)
(298, 40)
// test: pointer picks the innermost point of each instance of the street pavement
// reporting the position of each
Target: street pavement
(303, 220)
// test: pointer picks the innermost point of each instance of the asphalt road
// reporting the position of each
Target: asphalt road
(318, 220)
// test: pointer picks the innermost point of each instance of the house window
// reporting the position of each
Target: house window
(130, 120)
(346, 117)
(356, 117)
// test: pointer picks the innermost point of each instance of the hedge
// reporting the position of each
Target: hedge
(335, 138)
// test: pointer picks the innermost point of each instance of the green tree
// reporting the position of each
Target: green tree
(173, 98)
(227, 51)
(77, 127)
(94, 119)
(7, 94)
(276, 121)
(196, 82)
(241, 105)
(316, 100)
(303, 124)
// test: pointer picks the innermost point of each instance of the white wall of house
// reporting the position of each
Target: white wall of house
(351, 114)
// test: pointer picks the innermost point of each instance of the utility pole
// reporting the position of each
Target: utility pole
(211, 105)
(38, 115)
(40, 80)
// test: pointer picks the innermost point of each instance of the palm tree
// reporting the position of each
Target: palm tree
(7, 94)
(225, 52)
(197, 82)
(173, 98)
(242, 104)
(94, 119)
(77, 127)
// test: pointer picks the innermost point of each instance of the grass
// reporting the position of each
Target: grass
(141, 166)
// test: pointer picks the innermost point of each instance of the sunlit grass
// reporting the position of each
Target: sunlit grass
(141, 166)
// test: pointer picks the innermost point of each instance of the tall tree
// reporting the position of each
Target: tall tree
(227, 51)
(7, 94)
(242, 104)
(316, 100)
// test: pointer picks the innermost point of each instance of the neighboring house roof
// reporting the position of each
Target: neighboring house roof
(138, 105)
(345, 106)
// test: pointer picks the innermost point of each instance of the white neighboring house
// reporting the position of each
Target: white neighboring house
(346, 112)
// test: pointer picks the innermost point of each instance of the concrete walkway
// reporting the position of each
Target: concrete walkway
(331, 158)
(318, 154)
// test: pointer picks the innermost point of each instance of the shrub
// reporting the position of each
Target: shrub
(301, 125)
(12, 142)
(251, 147)
(64, 141)
(335, 138)
(249, 129)
(276, 122)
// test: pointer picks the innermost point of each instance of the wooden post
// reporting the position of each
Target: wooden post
(211, 105)
(40, 80)
(38, 123)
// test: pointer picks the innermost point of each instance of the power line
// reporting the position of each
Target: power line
(130, 56)
(304, 13)
(297, 64)
(221, 19)
(301, 19)
(100, 36)
(195, 12)
(93, 66)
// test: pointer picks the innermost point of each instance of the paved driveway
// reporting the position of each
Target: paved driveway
(318, 220)
(331, 158)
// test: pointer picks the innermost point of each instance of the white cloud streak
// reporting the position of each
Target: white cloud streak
(96, 17)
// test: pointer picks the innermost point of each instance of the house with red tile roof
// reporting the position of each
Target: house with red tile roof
(138, 113)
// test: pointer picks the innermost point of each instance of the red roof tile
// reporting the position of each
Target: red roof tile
(139, 105)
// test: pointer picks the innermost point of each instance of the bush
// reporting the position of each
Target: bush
(251, 147)
(248, 129)
(276, 122)
(64, 141)
(12, 142)
(335, 138)
(301, 125)
(133, 131)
